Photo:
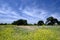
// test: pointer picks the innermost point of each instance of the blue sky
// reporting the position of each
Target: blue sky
(31, 10)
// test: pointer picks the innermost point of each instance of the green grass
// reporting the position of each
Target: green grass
(11, 32)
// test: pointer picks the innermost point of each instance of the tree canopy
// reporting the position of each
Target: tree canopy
(51, 21)
(20, 22)
(40, 22)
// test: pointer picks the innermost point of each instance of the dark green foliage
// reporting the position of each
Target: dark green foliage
(35, 24)
(51, 21)
(58, 22)
(3, 23)
(20, 22)
(40, 23)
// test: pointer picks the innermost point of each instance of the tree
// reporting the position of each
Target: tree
(35, 24)
(51, 21)
(14, 23)
(58, 22)
(3, 23)
(40, 22)
(20, 22)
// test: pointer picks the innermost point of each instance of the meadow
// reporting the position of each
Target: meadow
(13, 32)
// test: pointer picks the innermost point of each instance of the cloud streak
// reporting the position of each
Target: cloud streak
(8, 14)
(36, 10)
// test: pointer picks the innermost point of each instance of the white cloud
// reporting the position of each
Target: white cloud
(7, 13)
(56, 15)
(39, 13)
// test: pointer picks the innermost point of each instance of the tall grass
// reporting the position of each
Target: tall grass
(10, 32)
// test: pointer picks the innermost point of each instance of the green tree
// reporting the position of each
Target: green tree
(51, 21)
(40, 22)
(20, 22)
(58, 22)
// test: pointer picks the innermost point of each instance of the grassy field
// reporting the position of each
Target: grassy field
(12, 32)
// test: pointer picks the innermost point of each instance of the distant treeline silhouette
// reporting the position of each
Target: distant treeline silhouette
(3, 23)
(49, 21)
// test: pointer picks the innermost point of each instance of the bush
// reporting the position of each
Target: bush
(20, 22)
(40, 23)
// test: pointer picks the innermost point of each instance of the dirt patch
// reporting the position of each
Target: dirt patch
(27, 27)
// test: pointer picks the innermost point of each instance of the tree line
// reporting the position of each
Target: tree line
(49, 21)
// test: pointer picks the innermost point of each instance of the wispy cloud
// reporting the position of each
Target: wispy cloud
(8, 14)
(56, 15)
(35, 12)
(32, 10)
